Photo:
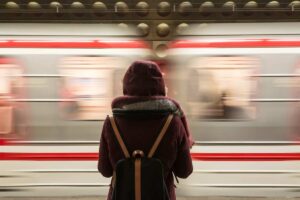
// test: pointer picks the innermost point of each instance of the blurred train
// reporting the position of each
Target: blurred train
(57, 80)
(238, 84)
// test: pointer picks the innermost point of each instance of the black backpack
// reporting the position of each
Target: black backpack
(138, 177)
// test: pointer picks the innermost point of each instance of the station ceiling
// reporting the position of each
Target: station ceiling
(157, 21)
(221, 10)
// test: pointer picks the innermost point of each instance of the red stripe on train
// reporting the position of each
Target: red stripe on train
(72, 44)
(195, 156)
(234, 43)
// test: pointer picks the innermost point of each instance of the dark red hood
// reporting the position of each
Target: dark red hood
(143, 82)
(143, 78)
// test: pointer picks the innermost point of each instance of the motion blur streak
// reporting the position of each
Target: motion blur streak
(195, 156)
(237, 83)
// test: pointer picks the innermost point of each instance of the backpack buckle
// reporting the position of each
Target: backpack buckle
(138, 154)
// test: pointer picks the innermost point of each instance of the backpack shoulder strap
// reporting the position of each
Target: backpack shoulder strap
(160, 136)
(118, 136)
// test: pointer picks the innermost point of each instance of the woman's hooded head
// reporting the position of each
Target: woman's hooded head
(144, 89)
(143, 78)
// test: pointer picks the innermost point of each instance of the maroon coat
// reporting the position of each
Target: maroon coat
(144, 89)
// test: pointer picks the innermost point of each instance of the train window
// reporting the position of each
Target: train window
(87, 86)
(295, 119)
(221, 87)
(118, 81)
(4, 83)
(11, 111)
